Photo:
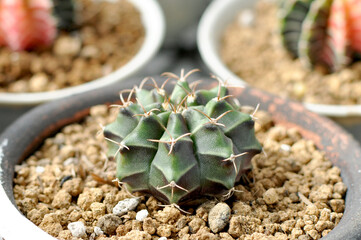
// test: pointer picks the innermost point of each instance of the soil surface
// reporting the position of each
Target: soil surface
(66, 188)
(110, 34)
(252, 48)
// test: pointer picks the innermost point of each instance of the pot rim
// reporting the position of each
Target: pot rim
(46, 119)
(154, 23)
(221, 13)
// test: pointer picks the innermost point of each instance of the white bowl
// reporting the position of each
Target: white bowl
(218, 15)
(154, 24)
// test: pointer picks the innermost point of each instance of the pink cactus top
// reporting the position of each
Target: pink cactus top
(26, 24)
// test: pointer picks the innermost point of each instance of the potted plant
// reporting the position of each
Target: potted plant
(172, 144)
(72, 44)
(300, 81)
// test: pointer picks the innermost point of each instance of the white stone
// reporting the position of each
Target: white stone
(39, 169)
(286, 147)
(98, 231)
(77, 229)
(126, 205)
(162, 238)
(246, 18)
(141, 215)
(70, 160)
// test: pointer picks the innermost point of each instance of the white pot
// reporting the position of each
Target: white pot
(154, 24)
(218, 15)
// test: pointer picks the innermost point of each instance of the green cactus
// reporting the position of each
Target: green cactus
(322, 32)
(64, 11)
(183, 146)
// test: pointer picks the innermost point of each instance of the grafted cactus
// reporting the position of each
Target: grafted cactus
(183, 146)
(28, 24)
(25, 24)
(322, 32)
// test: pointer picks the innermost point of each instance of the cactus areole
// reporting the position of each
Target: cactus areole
(323, 33)
(183, 146)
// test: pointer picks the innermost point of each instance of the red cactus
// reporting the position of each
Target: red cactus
(354, 22)
(328, 32)
(26, 24)
(337, 38)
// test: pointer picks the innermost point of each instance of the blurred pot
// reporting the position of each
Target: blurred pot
(12, 105)
(219, 15)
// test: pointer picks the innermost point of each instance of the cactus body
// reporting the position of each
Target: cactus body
(64, 11)
(182, 146)
(353, 9)
(28, 24)
(293, 16)
(25, 24)
(322, 32)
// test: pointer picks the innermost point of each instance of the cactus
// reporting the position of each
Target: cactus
(64, 11)
(28, 24)
(322, 32)
(183, 146)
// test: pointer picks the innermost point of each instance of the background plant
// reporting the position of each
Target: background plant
(323, 33)
(28, 24)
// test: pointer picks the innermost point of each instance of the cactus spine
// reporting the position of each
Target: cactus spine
(183, 146)
(322, 32)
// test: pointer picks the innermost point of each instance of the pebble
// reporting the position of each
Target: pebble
(98, 209)
(219, 217)
(337, 205)
(89, 51)
(340, 188)
(98, 231)
(286, 147)
(162, 238)
(125, 206)
(141, 215)
(299, 90)
(109, 223)
(77, 229)
(67, 46)
(39, 169)
(88, 197)
(246, 18)
(38, 82)
(62, 199)
(270, 196)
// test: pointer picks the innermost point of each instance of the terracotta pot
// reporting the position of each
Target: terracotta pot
(25, 135)
(12, 105)
(216, 18)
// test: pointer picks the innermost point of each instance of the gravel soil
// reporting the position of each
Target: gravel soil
(66, 188)
(110, 34)
(252, 49)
